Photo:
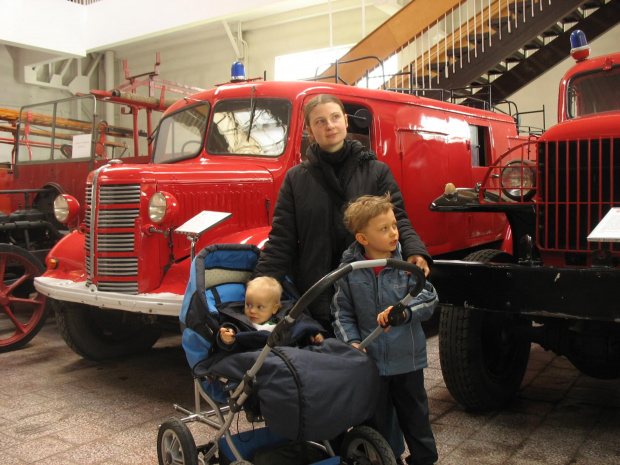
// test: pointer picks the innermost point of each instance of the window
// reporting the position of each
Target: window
(479, 137)
(594, 92)
(181, 134)
(249, 127)
(305, 65)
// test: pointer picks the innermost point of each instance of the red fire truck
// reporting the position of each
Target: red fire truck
(119, 278)
(559, 286)
(53, 147)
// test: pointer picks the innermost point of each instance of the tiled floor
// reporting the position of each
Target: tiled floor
(57, 408)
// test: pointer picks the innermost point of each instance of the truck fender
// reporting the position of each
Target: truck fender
(70, 254)
(507, 242)
(256, 236)
(177, 276)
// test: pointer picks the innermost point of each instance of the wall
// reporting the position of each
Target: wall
(206, 60)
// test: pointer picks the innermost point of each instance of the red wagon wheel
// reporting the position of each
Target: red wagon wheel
(23, 310)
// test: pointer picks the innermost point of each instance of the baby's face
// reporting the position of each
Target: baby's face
(260, 304)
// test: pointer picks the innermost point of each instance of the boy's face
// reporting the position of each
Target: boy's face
(380, 236)
(260, 304)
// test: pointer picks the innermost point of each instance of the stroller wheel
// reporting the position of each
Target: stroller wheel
(365, 446)
(175, 444)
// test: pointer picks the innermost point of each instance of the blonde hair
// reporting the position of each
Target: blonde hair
(318, 100)
(359, 212)
(267, 282)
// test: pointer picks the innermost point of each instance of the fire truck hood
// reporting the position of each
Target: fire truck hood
(196, 172)
(585, 127)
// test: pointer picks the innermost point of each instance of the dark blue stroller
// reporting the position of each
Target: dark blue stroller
(307, 400)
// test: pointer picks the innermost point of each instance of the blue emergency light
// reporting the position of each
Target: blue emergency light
(237, 71)
(579, 48)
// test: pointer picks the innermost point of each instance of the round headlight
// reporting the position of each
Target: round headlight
(65, 208)
(519, 180)
(163, 208)
(157, 207)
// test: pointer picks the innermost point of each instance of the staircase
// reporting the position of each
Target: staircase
(470, 48)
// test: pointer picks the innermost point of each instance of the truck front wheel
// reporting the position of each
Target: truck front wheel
(100, 334)
(483, 355)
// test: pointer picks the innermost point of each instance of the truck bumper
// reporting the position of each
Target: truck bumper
(165, 304)
(577, 293)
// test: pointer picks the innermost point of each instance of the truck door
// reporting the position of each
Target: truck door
(429, 161)
(425, 171)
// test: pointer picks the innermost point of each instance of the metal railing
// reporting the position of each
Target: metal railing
(457, 37)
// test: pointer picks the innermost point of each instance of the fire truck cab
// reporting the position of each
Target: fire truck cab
(119, 277)
(558, 287)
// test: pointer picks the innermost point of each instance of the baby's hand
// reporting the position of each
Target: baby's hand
(383, 317)
(317, 339)
(227, 335)
(357, 346)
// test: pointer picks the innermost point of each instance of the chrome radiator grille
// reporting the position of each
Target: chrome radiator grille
(110, 261)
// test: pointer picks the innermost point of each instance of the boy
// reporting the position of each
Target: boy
(262, 303)
(361, 302)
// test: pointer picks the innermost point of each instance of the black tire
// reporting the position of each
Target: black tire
(483, 358)
(175, 444)
(23, 310)
(101, 334)
(364, 445)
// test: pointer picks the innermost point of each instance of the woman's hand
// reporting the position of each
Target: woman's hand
(317, 339)
(421, 263)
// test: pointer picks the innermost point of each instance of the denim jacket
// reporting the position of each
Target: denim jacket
(360, 296)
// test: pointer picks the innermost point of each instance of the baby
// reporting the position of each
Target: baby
(262, 303)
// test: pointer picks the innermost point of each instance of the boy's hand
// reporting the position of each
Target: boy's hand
(227, 335)
(383, 317)
(317, 339)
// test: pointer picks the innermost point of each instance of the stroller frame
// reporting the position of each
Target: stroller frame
(175, 441)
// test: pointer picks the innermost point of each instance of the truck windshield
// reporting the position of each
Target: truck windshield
(181, 134)
(256, 126)
(594, 92)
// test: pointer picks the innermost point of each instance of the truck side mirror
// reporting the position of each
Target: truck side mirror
(362, 118)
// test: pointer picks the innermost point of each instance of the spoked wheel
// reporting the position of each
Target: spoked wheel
(175, 444)
(23, 310)
(365, 446)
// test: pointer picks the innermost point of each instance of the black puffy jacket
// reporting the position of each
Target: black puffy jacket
(308, 236)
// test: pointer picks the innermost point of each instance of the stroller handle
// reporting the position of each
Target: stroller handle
(281, 333)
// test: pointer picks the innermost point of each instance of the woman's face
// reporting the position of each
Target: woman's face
(328, 126)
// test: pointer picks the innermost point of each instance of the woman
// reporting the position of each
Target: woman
(308, 236)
